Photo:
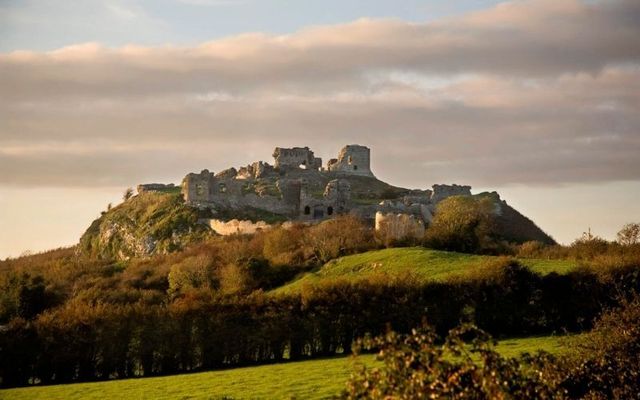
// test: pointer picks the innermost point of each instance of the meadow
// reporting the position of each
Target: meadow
(425, 264)
(313, 379)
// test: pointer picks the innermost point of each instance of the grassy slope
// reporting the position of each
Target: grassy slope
(161, 217)
(425, 263)
(316, 379)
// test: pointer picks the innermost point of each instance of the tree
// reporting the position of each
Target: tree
(337, 237)
(588, 246)
(629, 234)
(462, 223)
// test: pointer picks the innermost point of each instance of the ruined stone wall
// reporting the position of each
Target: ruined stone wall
(335, 200)
(295, 158)
(353, 159)
(399, 226)
(236, 226)
(441, 192)
(256, 170)
(197, 188)
(290, 190)
(154, 187)
(338, 193)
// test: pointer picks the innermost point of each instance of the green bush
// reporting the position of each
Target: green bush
(465, 366)
(464, 224)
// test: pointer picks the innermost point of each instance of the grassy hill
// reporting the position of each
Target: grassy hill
(315, 379)
(423, 263)
(148, 223)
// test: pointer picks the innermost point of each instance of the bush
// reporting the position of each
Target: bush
(283, 246)
(463, 224)
(607, 363)
(416, 367)
(336, 237)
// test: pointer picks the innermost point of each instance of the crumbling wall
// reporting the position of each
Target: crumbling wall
(154, 187)
(352, 159)
(296, 157)
(335, 200)
(441, 192)
(292, 188)
(237, 226)
(197, 188)
(256, 170)
(338, 194)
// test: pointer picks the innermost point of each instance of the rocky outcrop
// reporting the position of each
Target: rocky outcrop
(146, 224)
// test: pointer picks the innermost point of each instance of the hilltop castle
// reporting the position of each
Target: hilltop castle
(298, 187)
(289, 187)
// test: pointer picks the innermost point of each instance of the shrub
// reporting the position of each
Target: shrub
(283, 246)
(336, 237)
(416, 367)
(463, 224)
(607, 363)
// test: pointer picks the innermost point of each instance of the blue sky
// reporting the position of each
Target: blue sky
(50, 24)
(537, 99)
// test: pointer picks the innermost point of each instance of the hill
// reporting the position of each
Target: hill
(150, 222)
(423, 263)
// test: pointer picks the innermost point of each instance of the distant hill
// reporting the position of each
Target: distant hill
(513, 226)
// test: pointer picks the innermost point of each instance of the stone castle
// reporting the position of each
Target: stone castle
(288, 187)
(297, 187)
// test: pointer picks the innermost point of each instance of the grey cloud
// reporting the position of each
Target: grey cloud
(530, 92)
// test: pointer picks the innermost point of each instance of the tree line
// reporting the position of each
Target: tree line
(81, 341)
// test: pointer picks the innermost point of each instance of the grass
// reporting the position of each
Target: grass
(315, 379)
(424, 263)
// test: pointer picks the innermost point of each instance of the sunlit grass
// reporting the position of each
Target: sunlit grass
(315, 379)
(423, 263)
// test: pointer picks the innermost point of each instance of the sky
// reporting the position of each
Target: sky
(537, 99)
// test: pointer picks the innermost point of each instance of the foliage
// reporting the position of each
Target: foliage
(462, 223)
(150, 222)
(607, 364)
(588, 246)
(465, 366)
(284, 246)
(121, 336)
(424, 264)
(212, 304)
(629, 234)
(336, 237)
(309, 379)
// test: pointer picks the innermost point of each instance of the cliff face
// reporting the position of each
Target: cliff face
(149, 223)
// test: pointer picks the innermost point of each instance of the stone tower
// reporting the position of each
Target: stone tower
(353, 160)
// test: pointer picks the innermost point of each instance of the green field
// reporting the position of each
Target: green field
(423, 263)
(315, 379)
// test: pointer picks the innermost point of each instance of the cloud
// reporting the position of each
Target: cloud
(213, 3)
(538, 92)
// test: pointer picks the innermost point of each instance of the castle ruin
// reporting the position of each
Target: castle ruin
(298, 188)
(295, 186)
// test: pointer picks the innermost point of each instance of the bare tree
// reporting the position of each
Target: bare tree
(629, 234)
